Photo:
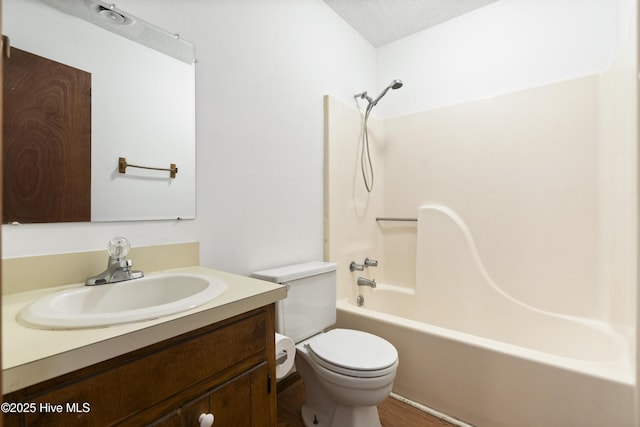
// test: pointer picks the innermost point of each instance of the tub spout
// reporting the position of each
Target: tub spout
(363, 281)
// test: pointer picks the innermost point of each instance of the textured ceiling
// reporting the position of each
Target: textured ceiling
(384, 21)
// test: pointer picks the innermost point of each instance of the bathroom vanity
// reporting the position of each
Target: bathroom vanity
(215, 359)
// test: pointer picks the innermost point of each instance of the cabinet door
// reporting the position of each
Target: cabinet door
(245, 401)
(241, 402)
(263, 396)
(231, 403)
(186, 416)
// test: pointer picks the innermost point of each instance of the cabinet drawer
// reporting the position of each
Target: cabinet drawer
(148, 376)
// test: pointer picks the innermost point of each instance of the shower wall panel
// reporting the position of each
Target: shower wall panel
(521, 170)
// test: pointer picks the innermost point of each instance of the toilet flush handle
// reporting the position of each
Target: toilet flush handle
(206, 420)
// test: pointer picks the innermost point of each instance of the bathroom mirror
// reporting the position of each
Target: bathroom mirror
(142, 101)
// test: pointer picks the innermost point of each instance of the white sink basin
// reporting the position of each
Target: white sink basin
(146, 298)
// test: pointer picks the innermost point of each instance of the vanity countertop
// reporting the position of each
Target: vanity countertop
(30, 356)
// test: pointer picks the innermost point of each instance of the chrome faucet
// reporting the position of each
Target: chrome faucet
(363, 281)
(370, 262)
(118, 266)
(355, 266)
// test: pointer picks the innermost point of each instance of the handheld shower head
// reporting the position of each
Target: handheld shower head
(365, 156)
(395, 84)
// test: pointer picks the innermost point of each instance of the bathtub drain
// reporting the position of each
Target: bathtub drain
(360, 300)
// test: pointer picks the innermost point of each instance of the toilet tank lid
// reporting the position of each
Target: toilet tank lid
(296, 271)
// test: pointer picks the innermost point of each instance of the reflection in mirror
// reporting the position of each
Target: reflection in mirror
(46, 144)
(142, 101)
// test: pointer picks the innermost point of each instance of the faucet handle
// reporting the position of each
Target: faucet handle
(353, 266)
(370, 262)
(118, 247)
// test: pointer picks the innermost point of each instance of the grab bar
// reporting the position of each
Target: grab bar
(396, 219)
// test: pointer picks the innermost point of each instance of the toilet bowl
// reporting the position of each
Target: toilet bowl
(346, 374)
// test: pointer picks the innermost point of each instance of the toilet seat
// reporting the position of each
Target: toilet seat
(353, 353)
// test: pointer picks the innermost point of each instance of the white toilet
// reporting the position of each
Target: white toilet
(346, 372)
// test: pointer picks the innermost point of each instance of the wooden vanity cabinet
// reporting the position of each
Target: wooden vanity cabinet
(226, 369)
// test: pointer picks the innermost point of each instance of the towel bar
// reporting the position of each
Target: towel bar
(123, 165)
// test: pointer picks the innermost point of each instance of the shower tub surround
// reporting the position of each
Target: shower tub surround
(469, 350)
(510, 299)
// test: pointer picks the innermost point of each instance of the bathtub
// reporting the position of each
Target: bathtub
(488, 373)
(471, 350)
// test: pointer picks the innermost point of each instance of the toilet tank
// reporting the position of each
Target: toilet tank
(310, 305)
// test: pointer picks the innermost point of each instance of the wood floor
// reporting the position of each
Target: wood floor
(393, 413)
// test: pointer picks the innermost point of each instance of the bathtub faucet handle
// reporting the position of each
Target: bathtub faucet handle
(353, 266)
(370, 262)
